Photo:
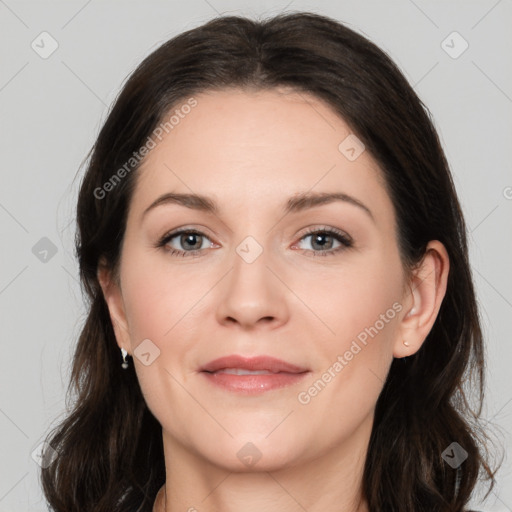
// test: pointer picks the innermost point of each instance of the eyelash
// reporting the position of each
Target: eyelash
(345, 241)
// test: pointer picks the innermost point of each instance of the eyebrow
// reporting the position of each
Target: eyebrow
(300, 202)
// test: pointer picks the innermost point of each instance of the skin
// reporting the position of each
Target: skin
(251, 151)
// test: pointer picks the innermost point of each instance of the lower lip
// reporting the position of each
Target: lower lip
(253, 384)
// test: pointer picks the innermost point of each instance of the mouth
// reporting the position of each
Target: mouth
(252, 364)
(243, 371)
(252, 375)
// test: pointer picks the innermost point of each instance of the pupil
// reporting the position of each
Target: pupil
(190, 238)
(317, 240)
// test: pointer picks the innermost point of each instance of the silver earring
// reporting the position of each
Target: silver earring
(124, 364)
(406, 343)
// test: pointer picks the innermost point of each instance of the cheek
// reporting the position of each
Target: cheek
(360, 298)
(356, 359)
(159, 298)
(161, 307)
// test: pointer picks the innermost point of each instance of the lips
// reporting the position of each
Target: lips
(238, 365)
(252, 375)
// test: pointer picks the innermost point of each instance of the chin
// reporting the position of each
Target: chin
(258, 453)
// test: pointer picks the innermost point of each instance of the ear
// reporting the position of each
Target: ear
(114, 299)
(427, 289)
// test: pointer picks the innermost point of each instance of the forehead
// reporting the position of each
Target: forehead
(257, 146)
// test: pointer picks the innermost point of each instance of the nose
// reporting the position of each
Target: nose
(253, 294)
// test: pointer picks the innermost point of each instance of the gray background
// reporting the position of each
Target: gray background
(51, 111)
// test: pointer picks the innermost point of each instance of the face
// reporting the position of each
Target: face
(318, 285)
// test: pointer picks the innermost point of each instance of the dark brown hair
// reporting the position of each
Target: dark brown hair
(110, 446)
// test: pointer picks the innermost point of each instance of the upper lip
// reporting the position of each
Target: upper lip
(268, 363)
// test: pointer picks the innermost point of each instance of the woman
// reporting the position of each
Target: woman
(243, 372)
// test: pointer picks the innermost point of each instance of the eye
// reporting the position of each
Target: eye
(192, 242)
(187, 239)
(325, 238)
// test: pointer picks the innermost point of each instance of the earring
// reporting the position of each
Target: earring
(406, 343)
(124, 364)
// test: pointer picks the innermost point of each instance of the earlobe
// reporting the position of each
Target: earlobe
(112, 295)
(427, 289)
